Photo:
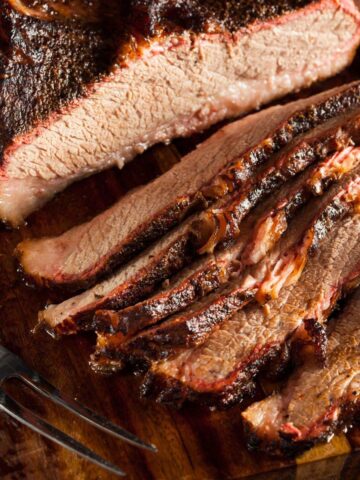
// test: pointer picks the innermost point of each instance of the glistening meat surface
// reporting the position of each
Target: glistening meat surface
(220, 225)
(125, 287)
(318, 400)
(222, 370)
(108, 116)
(80, 256)
(262, 229)
(282, 268)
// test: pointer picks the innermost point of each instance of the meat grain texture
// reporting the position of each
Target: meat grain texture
(317, 401)
(228, 262)
(242, 150)
(104, 103)
(233, 155)
(221, 371)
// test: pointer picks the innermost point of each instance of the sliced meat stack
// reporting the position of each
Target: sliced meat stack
(317, 401)
(315, 136)
(283, 267)
(229, 160)
(221, 371)
(224, 267)
(66, 116)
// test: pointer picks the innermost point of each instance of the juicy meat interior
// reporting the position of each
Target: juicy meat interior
(223, 369)
(104, 103)
(81, 255)
(318, 399)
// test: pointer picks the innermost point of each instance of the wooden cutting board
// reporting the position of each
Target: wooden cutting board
(193, 443)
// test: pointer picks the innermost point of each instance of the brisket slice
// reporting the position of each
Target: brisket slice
(136, 280)
(222, 371)
(282, 268)
(222, 224)
(193, 283)
(129, 285)
(272, 224)
(209, 273)
(317, 401)
(80, 256)
(210, 68)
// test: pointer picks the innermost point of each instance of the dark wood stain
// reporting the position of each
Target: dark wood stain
(194, 443)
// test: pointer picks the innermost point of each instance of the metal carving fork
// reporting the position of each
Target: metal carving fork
(11, 366)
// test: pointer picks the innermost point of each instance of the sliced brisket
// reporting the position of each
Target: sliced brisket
(223, 369)
(193, 283)
(220, 225)
(317, 400)
(272, 224)
(66, 116)
(209, 273)
(127, 286)
(80, 256)
(281, 268)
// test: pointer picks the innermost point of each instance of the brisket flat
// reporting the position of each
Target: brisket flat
(222, 370)
(281, 268)
(227, 160)
(65, 116)
(317, 401)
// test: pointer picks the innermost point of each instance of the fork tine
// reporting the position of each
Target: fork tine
(26, 417)
(42, 386)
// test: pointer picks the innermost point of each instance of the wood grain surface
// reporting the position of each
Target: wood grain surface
(194, 443)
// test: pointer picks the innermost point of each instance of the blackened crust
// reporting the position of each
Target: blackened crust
(341, 103)
(38, 76)
(134, 318)
(284, 445)
(181, 332)
(301, 122)
(133, 292)
(193, 327)
(139, 240)
(312, 148)
(207, 16)
(241, 385)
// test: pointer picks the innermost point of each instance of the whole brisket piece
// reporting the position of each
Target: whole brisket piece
(67, 116)
(227, 160)
(208, 274)
(318, 400)
(222, 370)
(281, 268)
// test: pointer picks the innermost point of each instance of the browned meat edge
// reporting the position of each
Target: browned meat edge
(232, 177)
(222, 225)
(241, 383)
(306, 119)
(95, 33)
(314, 182)
(193, 327)
(207, 275)
(349, 416)
(142, 283)
(284, 444)
(194, 283)
(334, 138)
